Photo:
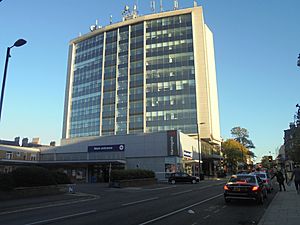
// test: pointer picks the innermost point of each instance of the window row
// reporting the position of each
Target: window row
(181, 73)
(86, 77)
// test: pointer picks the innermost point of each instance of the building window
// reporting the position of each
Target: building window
(9, 155)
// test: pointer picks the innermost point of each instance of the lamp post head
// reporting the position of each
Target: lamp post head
(20, 42)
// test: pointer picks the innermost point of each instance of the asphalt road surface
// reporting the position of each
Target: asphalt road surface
(162, 204)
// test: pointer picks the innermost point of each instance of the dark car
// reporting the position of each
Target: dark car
(245, 186)
(183, 178)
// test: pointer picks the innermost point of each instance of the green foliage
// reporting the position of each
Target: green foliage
(131, 174)
(234, 152)
(60, 177)
(32, 176)
(6, 182)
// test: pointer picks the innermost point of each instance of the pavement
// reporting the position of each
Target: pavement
(284, 208)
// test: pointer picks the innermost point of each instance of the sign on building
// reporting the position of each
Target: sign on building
(172, 143)
(107, 148)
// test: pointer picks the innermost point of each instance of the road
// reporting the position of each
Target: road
(160, 204)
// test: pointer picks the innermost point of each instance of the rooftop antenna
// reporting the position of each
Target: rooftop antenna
(152, 5)
(161, 6)
(176, 4)
(94, 26)
(135, 9)
(110, 19)
(125, 12)
(195, 3)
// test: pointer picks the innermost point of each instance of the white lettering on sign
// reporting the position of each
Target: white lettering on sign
(172, 145)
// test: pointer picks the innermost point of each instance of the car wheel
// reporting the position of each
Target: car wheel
(173, 181)
(194, 181)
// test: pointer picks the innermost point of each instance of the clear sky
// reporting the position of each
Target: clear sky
(256, 47)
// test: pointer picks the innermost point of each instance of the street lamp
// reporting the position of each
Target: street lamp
(298, 62)
(18, 43)
(199, 149)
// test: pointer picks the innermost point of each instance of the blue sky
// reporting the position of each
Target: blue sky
(256, 47)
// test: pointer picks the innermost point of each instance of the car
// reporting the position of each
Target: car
(266, 179)
(245, 186)
(181, 177)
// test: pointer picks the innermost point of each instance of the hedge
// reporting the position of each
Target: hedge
(60, 177)
(131, 174)
(31, 177)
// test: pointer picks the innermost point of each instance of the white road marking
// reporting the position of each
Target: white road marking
(181, 192)
(136, 202)
(62, 217)
(191, 211)
(46, 206)
(180, 210)
(206, 217)
(160, 188)
(216, 211)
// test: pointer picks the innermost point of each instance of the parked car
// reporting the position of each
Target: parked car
(245, 186)
(183, 178)
(266, 179)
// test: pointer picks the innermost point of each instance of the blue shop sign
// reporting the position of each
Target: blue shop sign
(106, 148)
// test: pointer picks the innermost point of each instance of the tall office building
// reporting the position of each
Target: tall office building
(145, 74)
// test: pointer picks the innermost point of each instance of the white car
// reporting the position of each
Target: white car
(266, 179)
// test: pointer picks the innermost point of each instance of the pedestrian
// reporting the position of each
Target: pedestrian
(280, 179)
(296, 174)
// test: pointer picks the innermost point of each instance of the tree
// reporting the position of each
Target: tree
(242, 136)
(266, 163)
(234, 152)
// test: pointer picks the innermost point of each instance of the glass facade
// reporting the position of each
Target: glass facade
(136, 84)
(122, 81)
(109, 84)
(170, 88)
(136, 93)
(86, 88)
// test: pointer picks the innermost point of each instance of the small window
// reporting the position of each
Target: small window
(9, 155)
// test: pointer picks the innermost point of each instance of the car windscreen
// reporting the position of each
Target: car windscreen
(243, 179)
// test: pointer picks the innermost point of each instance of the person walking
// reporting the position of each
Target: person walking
(280, 179)
(296, 174)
